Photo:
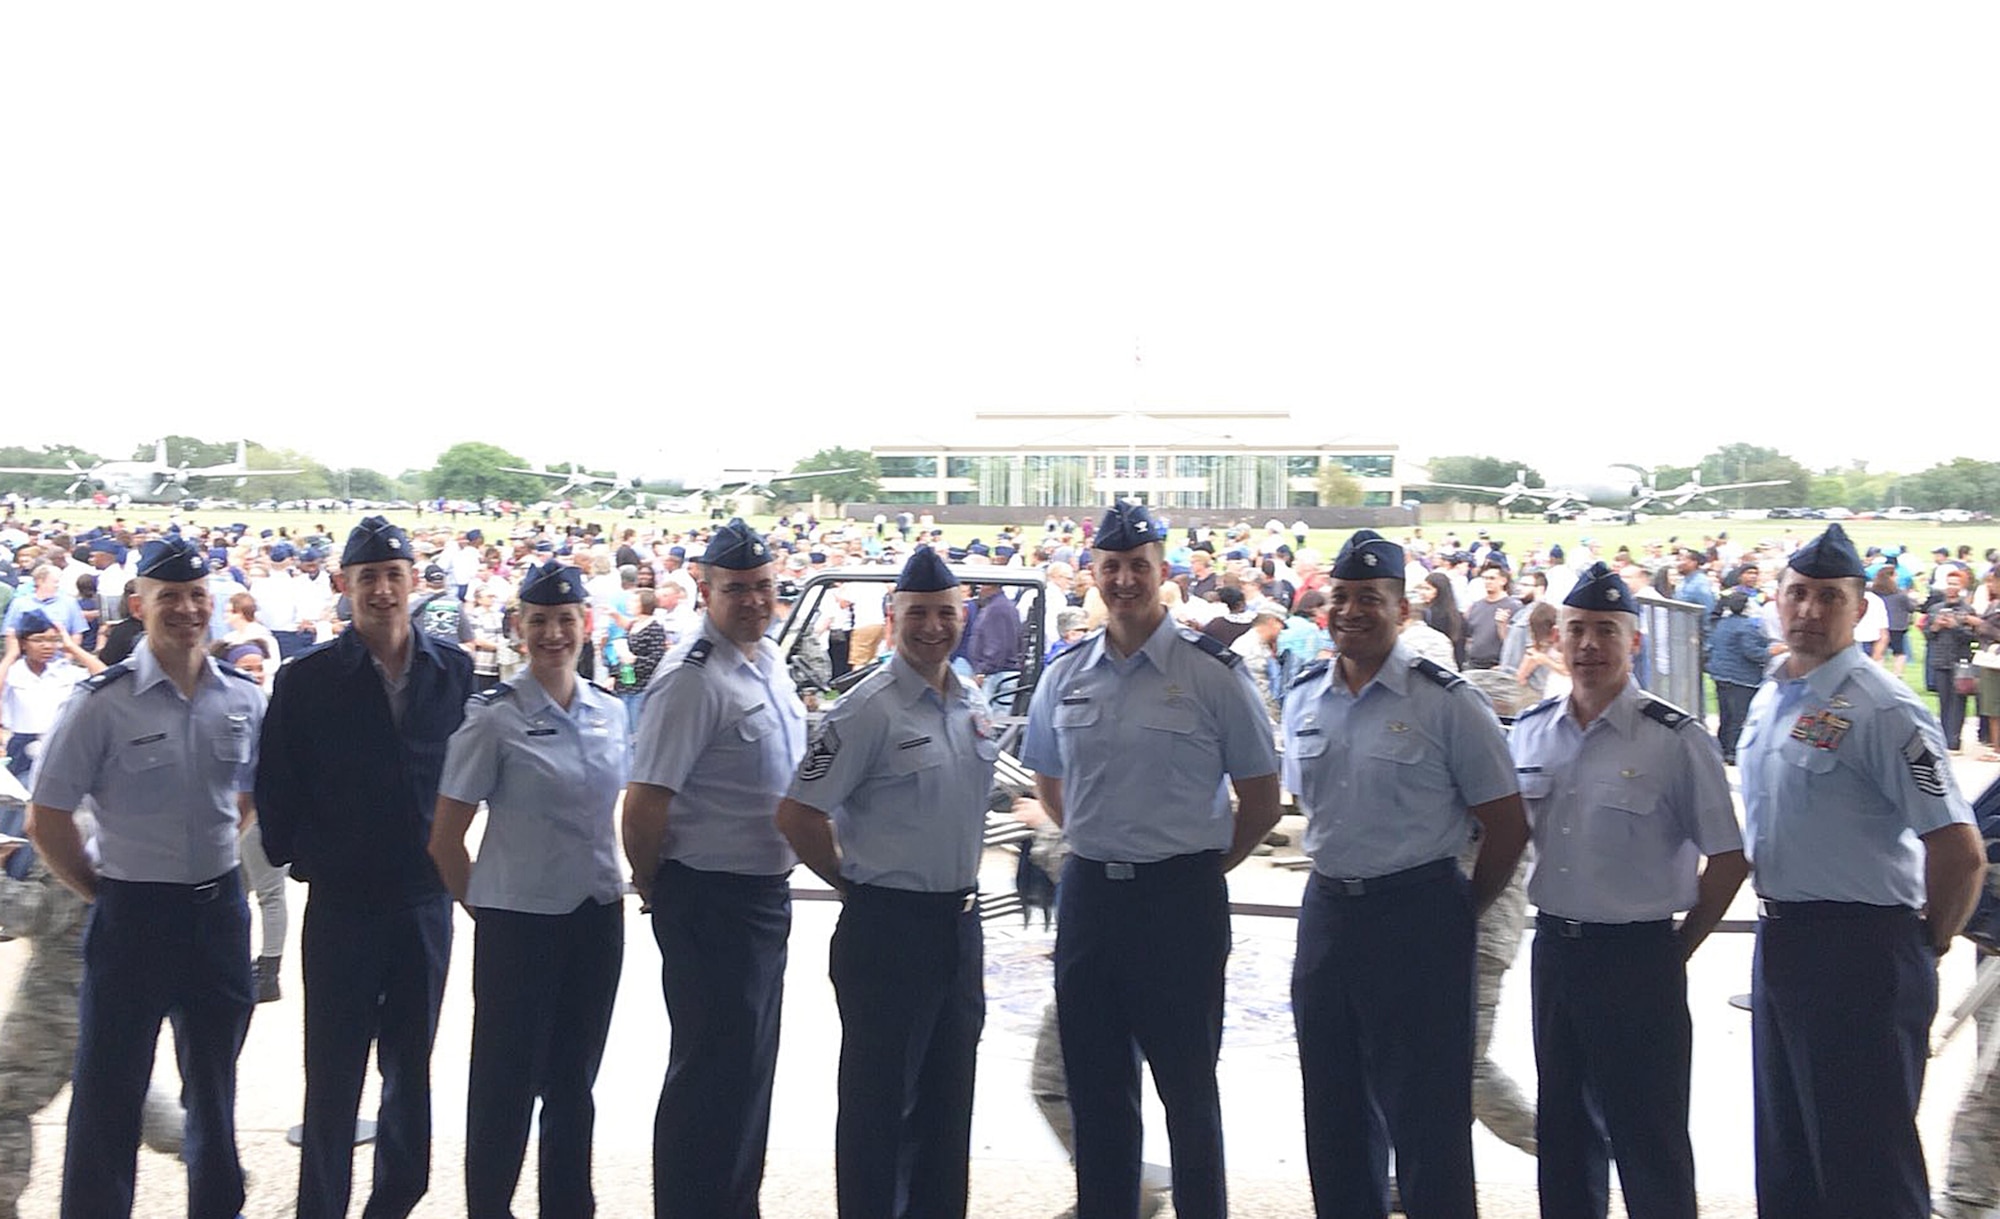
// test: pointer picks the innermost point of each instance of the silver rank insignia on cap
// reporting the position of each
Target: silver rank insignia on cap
(1368, 559)
(395, 543)
(1611, 594)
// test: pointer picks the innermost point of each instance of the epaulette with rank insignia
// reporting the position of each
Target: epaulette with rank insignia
(486, 698)
(1310, 672)
(1213, 646)
(1545, 705)
(698, 652)
(1655, 708)
(1436, 672)
(123, 668)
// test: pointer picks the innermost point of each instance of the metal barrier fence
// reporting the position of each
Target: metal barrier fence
(1669, 664)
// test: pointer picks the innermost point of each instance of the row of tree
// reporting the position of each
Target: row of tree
(1963, 482)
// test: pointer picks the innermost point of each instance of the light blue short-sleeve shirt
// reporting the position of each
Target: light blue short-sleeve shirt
(1621, 811)
(1143, 743)
(1843, 771)
(723, 732)
(550, 779)
(906, 774)
(1386, 776)
(163, 770)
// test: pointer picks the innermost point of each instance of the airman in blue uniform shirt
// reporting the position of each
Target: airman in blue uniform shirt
(719, 740)
(1395, 760)
(1867, 862)
(165, 745)
(1625, 794)
(890, 808)
(1131, 735)
(547, 754)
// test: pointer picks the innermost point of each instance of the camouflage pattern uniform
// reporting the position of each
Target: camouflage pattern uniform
(38, 1034)
(1972, 1175)
(1497, 1100)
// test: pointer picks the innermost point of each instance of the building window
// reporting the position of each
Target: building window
(907, 467)
(907, 497)
(1366, 465)
(1055, 481)
(962, 467)
(1302, 467)
(1375, 499)
(961, 497)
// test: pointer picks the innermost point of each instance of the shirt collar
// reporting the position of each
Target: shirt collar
(911, 686)
(1824, 680)
(1155, 649)
(147, 673)
(1621, 713)
(422, 647)
(729, 652)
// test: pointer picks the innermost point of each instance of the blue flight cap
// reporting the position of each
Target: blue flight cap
(545, 547)
(1368, 556)
(104, 545)
(1127, 526)
(268, 533)
(1830, 556)
(34, 622)
(1556, 553)
(473, 535)
(677, 552)
(1601, 589)
(553, 583)
(1003, 552)
(282, 551)
(375, 540)
(174, 559)
(816, 556)
(736, 547)
(957, 554)
(975, 546)
(924, 572)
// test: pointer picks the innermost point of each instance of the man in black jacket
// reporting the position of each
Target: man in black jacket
(347, 779)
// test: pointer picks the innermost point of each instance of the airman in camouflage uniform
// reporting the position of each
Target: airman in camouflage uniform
(1497, 1100)
(1972, 1175)
(38, 1034)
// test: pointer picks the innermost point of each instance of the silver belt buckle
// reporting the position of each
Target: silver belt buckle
(970, 903)
(1353, 886)
(1572, 929)
(203, 894)
(1119, 871)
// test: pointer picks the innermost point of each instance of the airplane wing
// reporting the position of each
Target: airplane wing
(45, 469)
(1706, 488)
(1545, 494)
(786, 478)
(228, 471)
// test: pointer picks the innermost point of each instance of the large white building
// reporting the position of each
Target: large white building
(1175, 459)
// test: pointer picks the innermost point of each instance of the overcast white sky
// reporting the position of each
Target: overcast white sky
(671, 236)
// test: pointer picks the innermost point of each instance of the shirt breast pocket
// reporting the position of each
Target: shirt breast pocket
(1535, 786)
(1812, 760)
(1071, 716)
(138, 757)
(233, 748)
(1635, 797)
(916, 760)
(1309, 746)
(756, 725)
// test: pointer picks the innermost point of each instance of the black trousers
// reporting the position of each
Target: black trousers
(155, 952)
(374, 973)
(1140, 950)
(543, 986)
(722, 968)
(1382, 994)
(1841, 1002)
(1613, 1052)
(1733, 702)
(908, 973)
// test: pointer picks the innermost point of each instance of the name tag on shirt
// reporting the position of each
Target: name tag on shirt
(541, 732)
(149, 739)
(922, 740)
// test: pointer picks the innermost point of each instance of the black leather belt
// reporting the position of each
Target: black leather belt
(955, 901)
(1364, 886)
(1574, 929)
(1829, 910)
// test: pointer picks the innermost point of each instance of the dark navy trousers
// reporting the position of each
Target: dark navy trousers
(543, 986)
(908, 973)
(722, 967)
(151, 952)
(1613, 1051)
(1841, 1002)
(1140, 950)
(1382, 994)
(374, 972)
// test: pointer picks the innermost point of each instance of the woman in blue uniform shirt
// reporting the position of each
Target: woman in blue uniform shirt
(547, 753)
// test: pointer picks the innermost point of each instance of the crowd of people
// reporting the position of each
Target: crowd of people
(614, 706)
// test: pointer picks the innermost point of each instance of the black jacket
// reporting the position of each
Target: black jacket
(343, 795)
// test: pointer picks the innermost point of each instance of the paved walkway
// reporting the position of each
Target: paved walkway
(1018, 1169)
